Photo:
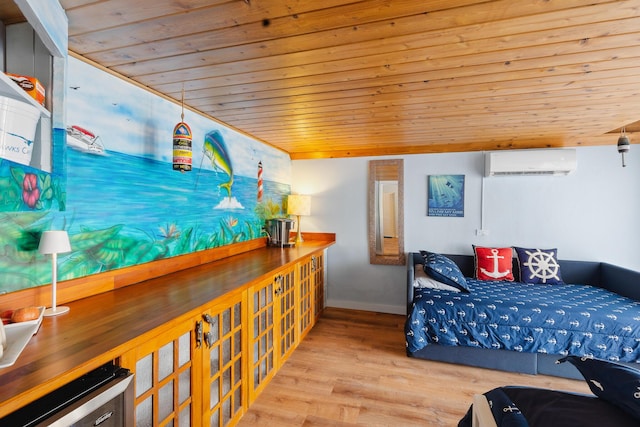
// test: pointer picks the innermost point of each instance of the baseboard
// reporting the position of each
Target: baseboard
(357, 305)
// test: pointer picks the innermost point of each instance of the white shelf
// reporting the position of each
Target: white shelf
(10, 89)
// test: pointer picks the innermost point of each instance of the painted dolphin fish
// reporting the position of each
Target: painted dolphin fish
(216, 150)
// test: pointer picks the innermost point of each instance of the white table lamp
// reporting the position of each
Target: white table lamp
(54, 243)
(298, 204)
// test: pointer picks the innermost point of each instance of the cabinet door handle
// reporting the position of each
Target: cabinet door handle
(208, 339)
(198, 334)
(278, 280)
(207, 318)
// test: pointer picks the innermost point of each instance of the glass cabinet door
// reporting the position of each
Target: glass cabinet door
(163, 368)
(306, 296)
(224, 363)
(261, 336)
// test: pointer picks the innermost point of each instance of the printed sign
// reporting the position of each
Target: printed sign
(445, 195)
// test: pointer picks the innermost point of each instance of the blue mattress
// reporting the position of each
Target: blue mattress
(580, 320)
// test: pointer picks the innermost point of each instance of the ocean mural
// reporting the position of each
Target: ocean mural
(123, 202)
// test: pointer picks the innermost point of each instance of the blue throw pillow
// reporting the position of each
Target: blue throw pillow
(444, 270)
(539, 266)
(617, 384)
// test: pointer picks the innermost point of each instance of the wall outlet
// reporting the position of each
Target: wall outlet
(480, 232)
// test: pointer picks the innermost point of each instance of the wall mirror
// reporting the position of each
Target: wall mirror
(386, 212)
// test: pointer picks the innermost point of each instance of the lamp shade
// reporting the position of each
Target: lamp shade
(54, 242)
(298, 204)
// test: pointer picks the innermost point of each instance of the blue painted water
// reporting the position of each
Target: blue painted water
(148, 196)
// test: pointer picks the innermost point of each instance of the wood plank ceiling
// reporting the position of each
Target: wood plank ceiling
(339, 78)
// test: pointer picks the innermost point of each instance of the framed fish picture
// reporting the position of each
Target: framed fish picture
(445, 196)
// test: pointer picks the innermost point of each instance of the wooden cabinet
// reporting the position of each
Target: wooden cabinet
(286, 303)
(207, 368)
(272, 327)
(282, 310)
(310, 282)
(193, 373)
(224, 367)
(306, 296)
(261, 336)
(202, 341)
(318, 283)
(164, 368)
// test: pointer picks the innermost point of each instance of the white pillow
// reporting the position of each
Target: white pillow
(423, 280)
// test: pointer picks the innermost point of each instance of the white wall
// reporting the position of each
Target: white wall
(592, 214)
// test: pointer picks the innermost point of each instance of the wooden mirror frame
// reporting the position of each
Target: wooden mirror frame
(386, 170)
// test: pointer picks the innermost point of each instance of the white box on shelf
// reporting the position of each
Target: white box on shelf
(18, 123)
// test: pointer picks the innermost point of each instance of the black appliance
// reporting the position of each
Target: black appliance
(103, 397)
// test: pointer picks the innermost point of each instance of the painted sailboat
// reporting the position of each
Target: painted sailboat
(84, 140)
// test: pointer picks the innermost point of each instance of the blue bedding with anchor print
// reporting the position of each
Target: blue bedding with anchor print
(581, 320)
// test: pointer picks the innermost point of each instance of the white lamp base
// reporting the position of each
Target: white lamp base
(54, 312)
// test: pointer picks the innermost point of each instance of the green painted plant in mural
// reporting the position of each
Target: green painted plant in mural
(268, 210)
(20, 264)
(24, 191)
(96, 251)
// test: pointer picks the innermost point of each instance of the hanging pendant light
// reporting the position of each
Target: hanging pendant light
(623, 145)
(182, 151)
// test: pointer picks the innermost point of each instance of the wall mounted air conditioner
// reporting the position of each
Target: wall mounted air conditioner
(557, 161)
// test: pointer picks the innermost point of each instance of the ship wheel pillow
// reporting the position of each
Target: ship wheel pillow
(539, 266)
(493, 263)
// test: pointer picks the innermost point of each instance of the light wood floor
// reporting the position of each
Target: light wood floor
(352, 370)
(390, 245)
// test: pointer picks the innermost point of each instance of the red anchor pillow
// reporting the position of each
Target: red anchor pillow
(493, 263)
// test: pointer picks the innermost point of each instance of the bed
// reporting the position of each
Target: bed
(525, 327)
(615, 402)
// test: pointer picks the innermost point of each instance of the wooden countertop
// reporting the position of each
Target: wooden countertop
(102, 327)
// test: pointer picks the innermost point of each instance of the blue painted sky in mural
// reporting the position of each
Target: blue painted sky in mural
(135, 122)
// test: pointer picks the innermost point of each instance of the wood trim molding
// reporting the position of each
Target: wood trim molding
(315, 237)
